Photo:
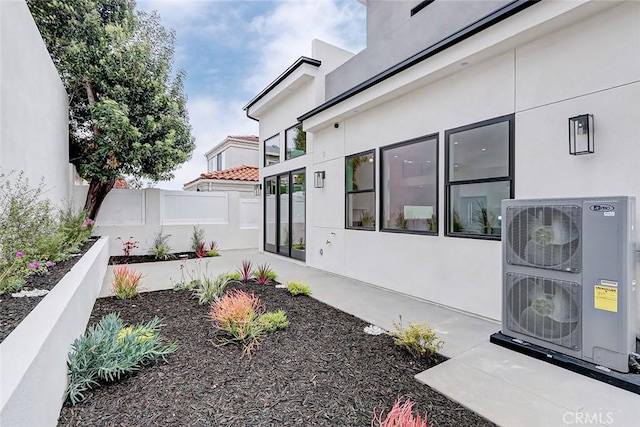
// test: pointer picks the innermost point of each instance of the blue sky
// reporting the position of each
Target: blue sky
(232, 49)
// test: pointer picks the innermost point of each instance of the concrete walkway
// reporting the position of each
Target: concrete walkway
(504, 386)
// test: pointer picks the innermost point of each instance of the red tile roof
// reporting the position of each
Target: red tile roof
(240, 173)
(121, 183)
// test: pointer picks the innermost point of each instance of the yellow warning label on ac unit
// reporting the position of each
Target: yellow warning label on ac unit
(606, 298)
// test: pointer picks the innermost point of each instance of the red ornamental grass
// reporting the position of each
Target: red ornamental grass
(262, 274)
(236, 314)
(245, 270)
(201, 252)
(400, 415)
(126, 282)
(235, 308)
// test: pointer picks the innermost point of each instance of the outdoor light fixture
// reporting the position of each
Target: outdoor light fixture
(581, 134)
(319, 179)
(257, 189)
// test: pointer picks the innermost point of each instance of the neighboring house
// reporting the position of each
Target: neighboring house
(451, 108)
(233, 151)
(242, 178)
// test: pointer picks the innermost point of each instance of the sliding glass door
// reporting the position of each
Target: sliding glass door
(285, 214)
(270, 213)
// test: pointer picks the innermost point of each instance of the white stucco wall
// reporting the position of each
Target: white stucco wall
(229, 217)
(237, 156)
(553, 61)
(34, 128)
(429, 267)
(544, 81)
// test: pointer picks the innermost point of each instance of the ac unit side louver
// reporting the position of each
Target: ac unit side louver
(569, 276)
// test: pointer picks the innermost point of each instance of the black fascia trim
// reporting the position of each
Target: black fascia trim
(421, 6)
(463, 34)
(302, 60)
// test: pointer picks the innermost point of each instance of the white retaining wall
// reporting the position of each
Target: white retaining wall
(33, 357)
(231, 218)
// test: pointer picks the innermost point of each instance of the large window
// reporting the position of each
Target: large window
(479, 173)
(409, 200)
(272, 150)
(360, 191)
(296, 141)
(216, 163)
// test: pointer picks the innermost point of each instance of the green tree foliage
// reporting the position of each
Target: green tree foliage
(127, 108)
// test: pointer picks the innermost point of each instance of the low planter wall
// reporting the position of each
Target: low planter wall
(33, 357)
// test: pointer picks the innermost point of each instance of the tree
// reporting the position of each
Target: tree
(127, 109)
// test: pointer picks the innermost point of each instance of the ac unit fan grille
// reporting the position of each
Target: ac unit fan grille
(545, 236)
(543, 308)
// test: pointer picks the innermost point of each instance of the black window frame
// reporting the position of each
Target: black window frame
(277, 247)
(286, 142)
(435, 232)
(510, 178)
(371, 190)
(264, 147)
(421, 6)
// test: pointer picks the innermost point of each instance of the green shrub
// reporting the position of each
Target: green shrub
(160, 248)
(298, 289)
(235, 276)
(273, 321)
(26, 217)
(419, 339)
(74, 227)
(209, 290)
(108, 350)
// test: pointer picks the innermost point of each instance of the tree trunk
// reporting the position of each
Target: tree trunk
(96, 194)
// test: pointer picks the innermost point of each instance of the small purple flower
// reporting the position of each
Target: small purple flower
(32, 240)
(19, 254)
(86, 224)
(48, 264)
(34, 265)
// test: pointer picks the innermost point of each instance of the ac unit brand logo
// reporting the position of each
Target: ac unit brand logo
(601, 208)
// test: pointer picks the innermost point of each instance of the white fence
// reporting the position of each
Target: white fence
(231, 218)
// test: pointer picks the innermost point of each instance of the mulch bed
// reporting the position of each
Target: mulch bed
(321, 371)
(136, 259)
(14, 310)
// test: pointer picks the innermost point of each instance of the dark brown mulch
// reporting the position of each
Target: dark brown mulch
(136, 259)
(14, 310)
(321, 371)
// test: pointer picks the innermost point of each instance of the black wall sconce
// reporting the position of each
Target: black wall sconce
(318, 181)
(257, 189)
(581, 133)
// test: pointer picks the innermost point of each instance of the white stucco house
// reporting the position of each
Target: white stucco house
(393, 162)
(232, 165)
(233, 151)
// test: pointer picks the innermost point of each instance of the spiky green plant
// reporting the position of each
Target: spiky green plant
(419, 339)
(295, 288)
(160, 248)
(108, 350)
(197, 238)
(210, 289)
